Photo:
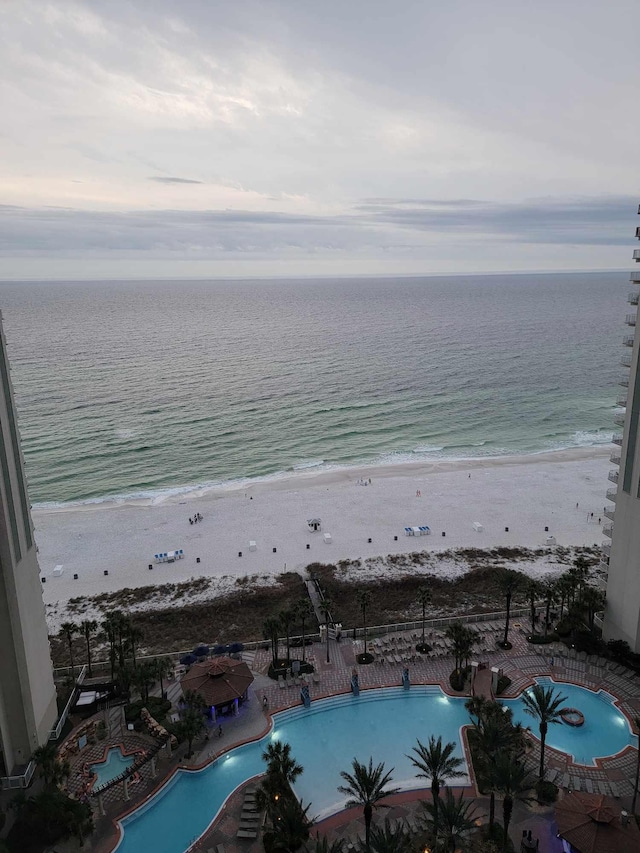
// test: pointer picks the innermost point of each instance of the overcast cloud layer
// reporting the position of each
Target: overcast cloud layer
(286, 138)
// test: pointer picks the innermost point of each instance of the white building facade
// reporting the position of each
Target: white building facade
(28, 709)
(621, 558)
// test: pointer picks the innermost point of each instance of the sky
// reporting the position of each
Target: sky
(156, 138)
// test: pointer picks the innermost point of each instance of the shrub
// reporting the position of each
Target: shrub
(158, 708)
(546, 792)
(458, 678)
(541, 640)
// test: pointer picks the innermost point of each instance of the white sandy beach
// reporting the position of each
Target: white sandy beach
(525, 494)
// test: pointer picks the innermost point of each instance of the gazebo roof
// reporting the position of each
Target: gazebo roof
(218, 681)
(591, 823)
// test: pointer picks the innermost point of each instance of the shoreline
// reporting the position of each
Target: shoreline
(317, 475)
(260, 532)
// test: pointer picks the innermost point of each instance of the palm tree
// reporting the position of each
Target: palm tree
(365, 787)
(271, 629)
(325, 609)
(510, 582)
(436, 762)
(364, 597)
(291, 826)
(133, 637)
(303, 609)
(88, 626)
(143, 677)
(550, 593)
(513, 781)
(454, 818)
(592, 600)
(69, 630)
(286, 618)
(322, 845)
(109, 628)
(543, 703)
(391, 838)
(46, 757)
(280, 762)
(162, 667)
(533, 591)
(424, 599)
(636, 723)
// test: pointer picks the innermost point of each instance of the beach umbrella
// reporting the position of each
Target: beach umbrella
(314, 523)
(234, 648)
(220, 650)
(187, 660)
(201, 651)
(592, 823)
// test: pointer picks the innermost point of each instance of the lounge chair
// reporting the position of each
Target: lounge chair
(551, 775)
(614, 789)
(565, 780)
(281, 683)
(602, 787)
(577, 786)
(589, 786)
(246, 833)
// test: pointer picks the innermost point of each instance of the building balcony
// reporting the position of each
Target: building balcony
(628, 340)
(638, 229)
(624, 380)
(606, 549)
(630, 319)
(609, 512)
(625, 361)
(615, 457)
(613, 476)
(634, 297)
(619, 419)
(612, 495)
(636, 252)
(617, 439)
(607, 529)
(601, 582)
(622, 401)
(635, 277)
(598, 620)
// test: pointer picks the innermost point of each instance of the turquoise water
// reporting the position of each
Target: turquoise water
(605, 730)
(115, 764)
(384, 724)
(128, 388)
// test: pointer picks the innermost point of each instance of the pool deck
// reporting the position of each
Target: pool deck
(521, 664)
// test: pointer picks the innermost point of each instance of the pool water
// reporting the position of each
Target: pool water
(324, 738)
(109, 769)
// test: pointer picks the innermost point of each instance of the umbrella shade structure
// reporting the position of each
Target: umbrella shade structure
(234, 648)
(592, 823)
(187, 660)
(201, 651)
(218, 681)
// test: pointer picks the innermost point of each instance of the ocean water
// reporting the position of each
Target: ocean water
(126, 388)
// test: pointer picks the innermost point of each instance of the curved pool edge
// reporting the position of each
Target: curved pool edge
(181, 768)
(328, 814)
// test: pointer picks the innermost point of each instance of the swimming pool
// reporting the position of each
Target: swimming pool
(324, 738)
(114, 764)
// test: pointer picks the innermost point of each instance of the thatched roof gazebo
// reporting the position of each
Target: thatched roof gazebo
(220, 682)
(592, 823)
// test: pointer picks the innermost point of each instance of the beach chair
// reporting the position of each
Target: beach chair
(614, 789)
(603, 788)
(575, 781)
(565, 780)
(589, 786)
(246, 833)
(281, 683)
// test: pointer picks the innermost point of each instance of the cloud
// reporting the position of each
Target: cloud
(160, 179)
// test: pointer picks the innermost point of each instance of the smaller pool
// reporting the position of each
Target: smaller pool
(114, 764)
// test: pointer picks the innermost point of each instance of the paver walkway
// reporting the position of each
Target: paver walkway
(394, 653)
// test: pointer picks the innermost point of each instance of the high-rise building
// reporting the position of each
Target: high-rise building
(27, 693)
(622, 557)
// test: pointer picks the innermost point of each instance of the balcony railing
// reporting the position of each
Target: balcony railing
(609, 513)
(622, 401)
(624, 381)
(628, 340)
(617, 439)
(602, 583)
(636, 252)
(613, 476)
(635, 277)
(619, 419)
(598, 620)
(615, 458)
(612, 494)
(606, 549)
(633, 298)
(607, 529)
(625, 361)
(630, 319)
